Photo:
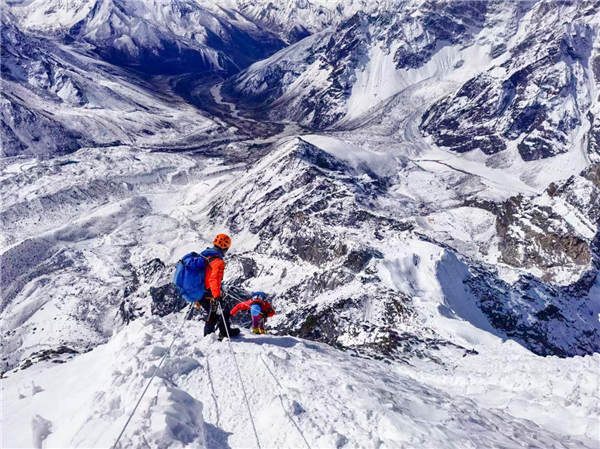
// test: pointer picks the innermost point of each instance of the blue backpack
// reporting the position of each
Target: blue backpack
(190, 274)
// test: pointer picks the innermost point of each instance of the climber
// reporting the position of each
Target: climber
(260, 309)
(215, 269)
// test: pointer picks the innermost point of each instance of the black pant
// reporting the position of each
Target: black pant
(214, 319)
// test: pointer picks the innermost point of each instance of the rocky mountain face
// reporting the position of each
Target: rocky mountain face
(555, 230)
(536, 100)
(388, 172)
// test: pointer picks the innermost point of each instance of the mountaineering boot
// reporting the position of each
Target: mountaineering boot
(255, 330)
(261, 331)
(233, 332)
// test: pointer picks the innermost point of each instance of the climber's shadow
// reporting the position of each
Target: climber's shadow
(216, 438)
(282, 342)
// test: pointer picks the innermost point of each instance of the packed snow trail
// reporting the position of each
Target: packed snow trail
(282, 404)
(237, 367)
(337, 400)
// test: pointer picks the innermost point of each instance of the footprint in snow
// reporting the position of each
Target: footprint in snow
(32, 390)
(35, 389)
(40, 430)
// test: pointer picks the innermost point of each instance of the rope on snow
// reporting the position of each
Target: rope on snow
(220, 309)
(152, 378)
(283, 406)
(231, 295)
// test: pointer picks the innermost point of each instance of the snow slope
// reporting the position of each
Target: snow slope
(336, 400)
(155, 37)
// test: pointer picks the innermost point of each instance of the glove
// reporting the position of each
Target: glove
(217, 300)
(265, 315)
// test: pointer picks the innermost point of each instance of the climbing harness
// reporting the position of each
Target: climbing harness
(152, 378)
(220, 310)
(283, 406)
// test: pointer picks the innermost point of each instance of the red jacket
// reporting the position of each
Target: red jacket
(265, 306)
(214, 276)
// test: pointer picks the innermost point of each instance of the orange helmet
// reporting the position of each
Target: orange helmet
(222, 241)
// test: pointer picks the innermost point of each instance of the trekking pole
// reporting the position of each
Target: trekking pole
(220, 310)
(210, 307)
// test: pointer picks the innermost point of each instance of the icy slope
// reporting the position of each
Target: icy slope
(335, 399)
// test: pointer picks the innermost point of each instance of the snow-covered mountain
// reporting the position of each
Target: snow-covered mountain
(154, 36)
(517, 75)
(297, 19)
(415, 184)
(538, 99)
(56, 100)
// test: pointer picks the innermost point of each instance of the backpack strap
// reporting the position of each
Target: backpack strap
(206, 259)
(209, 259)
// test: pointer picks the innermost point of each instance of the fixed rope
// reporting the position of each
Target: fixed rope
(283, 406)
(152, 378)
(220, 309)
(234, 296)
(231, 295)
